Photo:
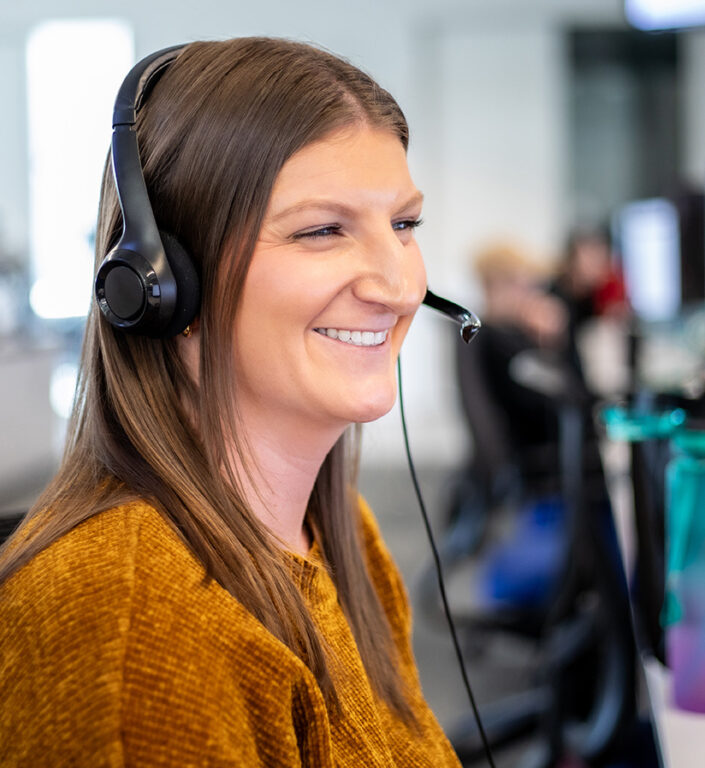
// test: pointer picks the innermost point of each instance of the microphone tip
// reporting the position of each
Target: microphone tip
(469, 329)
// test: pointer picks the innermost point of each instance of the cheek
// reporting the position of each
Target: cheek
(398, 335)
(267, 296)
(417, 278)
(419, 269)
(270, 326)
(253, 339)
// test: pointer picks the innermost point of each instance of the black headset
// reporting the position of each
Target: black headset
(148, 284)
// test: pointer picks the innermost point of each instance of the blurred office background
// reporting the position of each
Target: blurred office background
(527, 117)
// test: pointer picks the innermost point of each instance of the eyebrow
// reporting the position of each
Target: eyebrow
(331, 205)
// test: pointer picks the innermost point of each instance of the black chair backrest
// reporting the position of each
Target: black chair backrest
(488, 422)
(8, 523)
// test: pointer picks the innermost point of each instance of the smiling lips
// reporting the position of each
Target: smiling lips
(356, 338)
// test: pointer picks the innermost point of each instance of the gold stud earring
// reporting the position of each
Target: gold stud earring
(187, 331)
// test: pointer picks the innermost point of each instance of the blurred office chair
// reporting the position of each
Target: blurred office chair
(8, 523)
(582, 697)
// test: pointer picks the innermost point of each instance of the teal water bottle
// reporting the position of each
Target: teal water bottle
(684, 608)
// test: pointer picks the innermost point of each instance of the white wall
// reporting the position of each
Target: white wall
(483, 86)
(693, 100)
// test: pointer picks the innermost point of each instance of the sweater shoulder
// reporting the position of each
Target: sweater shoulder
(129, 570)
(99, 551)
(117, 618)
(64, 620)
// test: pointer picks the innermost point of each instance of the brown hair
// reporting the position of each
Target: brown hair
(214, 134)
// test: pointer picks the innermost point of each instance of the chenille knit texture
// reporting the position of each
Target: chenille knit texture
(115, 652)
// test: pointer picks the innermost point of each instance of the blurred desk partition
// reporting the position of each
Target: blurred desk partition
(28, 425)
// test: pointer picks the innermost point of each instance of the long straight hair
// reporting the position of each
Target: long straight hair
(214, 134)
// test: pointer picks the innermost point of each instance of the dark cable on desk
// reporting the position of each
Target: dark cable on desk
(441, 584)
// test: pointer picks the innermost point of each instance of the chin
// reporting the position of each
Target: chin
(374, 408)
(370, 419)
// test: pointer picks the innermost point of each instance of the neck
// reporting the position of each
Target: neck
(283, 462)
(283, 459)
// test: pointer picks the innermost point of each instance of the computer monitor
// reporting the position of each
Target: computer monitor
(649, 244)
(662, 246)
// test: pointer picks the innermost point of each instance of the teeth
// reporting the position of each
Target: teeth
(356, 338)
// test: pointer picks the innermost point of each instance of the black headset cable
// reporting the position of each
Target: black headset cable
(439, 572)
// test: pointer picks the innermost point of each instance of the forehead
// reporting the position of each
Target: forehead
(359, 163)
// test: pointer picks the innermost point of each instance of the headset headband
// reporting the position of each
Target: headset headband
(139, 82)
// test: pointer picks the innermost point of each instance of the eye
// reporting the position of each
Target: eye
(407, 224)
(329, 230)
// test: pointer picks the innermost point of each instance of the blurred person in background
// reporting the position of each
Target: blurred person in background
(588, 278)
(519, 314)
(514, 427)
(590, 285)
(528, 362)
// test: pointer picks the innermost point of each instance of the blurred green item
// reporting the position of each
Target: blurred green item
(636, 426)
(683, 611)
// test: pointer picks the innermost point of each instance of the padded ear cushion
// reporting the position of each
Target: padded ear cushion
(188, 286)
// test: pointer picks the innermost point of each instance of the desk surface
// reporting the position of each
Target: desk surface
(681, 735)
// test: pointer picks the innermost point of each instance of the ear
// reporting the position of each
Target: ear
(189, 348)
(188, 291)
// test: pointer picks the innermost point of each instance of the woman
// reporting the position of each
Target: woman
(200, 584)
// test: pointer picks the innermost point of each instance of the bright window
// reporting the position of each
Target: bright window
(74, 69)
(665, 14)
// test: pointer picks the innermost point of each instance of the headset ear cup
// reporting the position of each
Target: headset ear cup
(188, 286)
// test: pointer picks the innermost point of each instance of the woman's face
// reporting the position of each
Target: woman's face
(333, 285)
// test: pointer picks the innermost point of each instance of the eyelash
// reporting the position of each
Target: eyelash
(410, 223)
(335, 229)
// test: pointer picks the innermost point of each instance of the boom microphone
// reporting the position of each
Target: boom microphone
(469, 322)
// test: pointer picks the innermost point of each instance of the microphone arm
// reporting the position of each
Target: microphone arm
(469, 323)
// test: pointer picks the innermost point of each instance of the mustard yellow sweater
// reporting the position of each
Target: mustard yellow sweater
(113, 652)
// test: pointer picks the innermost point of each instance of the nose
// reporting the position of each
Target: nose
(391, 273)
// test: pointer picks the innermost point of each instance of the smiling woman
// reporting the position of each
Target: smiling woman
(201, 574)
